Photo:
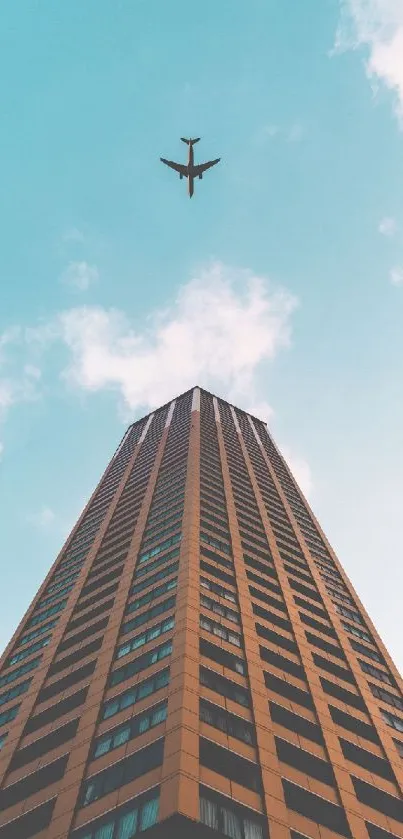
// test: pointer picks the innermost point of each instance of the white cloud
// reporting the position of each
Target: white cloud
(376, 25)
(43, 519)
(222, 327)
(295, 133)
(300, 469)
(396, 275)
(80, 275)
(388, 227)
(73, 234)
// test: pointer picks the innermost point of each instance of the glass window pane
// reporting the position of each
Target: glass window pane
(252, 830)
(231, 824)
(121, 736)
(103, 747)
(144, 724)
(145, 690)
(138, 642)
(160, 715)
(127, 826)
(111, 708)
(153, 633)
(162, 680)
(123, 650)
(105, 832)
(127, 700)
(208, 813)
(90, 793)
(149, 814)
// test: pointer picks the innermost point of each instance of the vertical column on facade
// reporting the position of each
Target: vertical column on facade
(343, 781)
(384, 734)
(28, 703)
(274, 803)
(68, 795)
(180, 771)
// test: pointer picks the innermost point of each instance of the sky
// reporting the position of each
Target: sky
(279, 285)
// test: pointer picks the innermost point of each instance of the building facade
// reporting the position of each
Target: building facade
(196, 663)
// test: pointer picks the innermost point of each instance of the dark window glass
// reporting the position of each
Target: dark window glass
(223, 814)
(282, 663)
(223, 686)
(229, 764)
(306, 728)
(140, 663)
(124, 822)
(33, 783)
(58, 710)
(367, 760)
(121, 773)
(223, 657)
(386, 696)
(289, 691)
(392, 720)
(67, 681)
(131, 729)
(275, 638)
(376, 798)
(335, 669)
(30, 823)
(44, 744)
(316, 808)
(324, 645)
(267, 615)
(352, 724)
(375, 832)
(9, 715)
(135, 694)
(304, 761)
(229, 723)
(344, 695)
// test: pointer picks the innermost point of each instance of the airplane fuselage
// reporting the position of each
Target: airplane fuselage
(190, 171)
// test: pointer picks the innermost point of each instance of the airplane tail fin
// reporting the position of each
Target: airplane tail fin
(190, 142)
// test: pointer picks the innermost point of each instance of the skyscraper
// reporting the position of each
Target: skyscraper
(196, 663)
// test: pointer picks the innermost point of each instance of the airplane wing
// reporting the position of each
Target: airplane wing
(198, 170)
(177, 166)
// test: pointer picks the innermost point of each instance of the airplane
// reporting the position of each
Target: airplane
(191, 171)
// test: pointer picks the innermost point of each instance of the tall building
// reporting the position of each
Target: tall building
(196, 663)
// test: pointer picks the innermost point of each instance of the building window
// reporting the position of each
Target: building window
(136, 726)
(347, 613)
(143, 557)
(122, 773)
(390, 719)
(359, 648)
(152, 595)
(28, 651)
(217, 589)
(3, 738)
(139, 664)
(145, 637)
(157, 562)
(15, 691)
(220, 631)
(229, 723)
(223, 815)
(375, 672)
(126, 822)
(359, 633)
(229, 764)
(218, 609)
(135, 694)
(215, 543)
(155, 578)
(221, 656)
(31, 635)
(159, 609)
(9, 715)
(385, 696)
(223, 686)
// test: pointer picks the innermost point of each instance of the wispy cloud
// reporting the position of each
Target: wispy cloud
(396, 275)
(388, 227)
(80, 275)
(73, 234)
(220, 329)
(376, 25)
(300, 469)
(43, 519)
(294, 133)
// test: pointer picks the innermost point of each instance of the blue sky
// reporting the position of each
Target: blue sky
(284, 272)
